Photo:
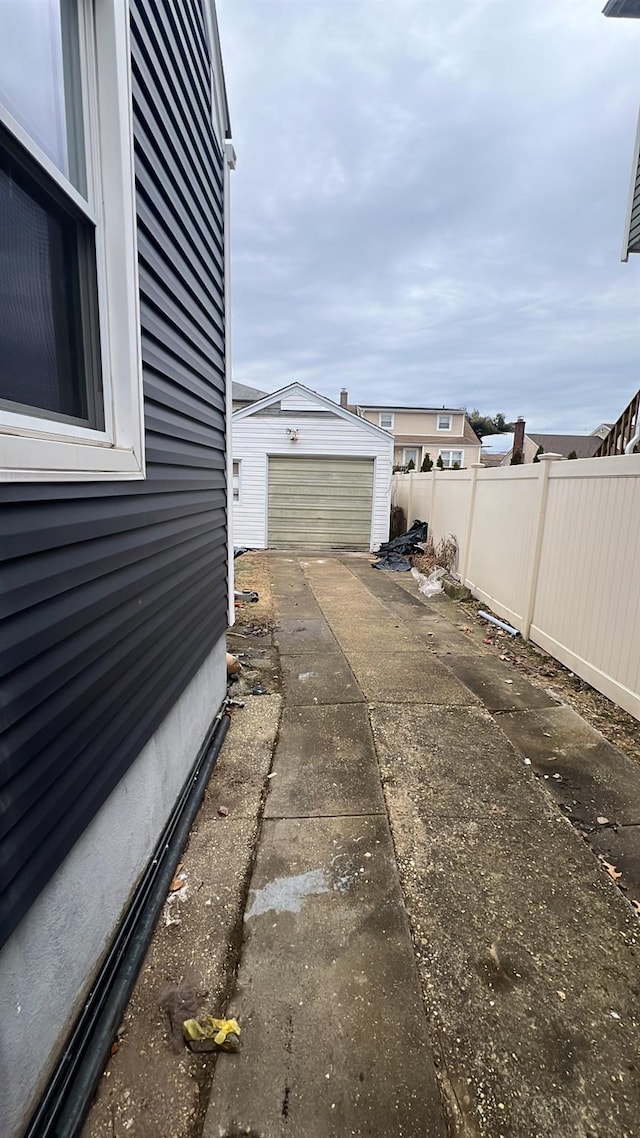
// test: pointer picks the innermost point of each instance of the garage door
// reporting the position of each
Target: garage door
(320, 503)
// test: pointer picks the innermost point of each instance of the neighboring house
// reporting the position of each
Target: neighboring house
(603, 430)
(309, 473)
(439, 432)
(243, 395)
(530, 442)
(113, 412)
(495, 448)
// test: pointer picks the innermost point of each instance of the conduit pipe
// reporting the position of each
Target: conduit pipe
(500, 623)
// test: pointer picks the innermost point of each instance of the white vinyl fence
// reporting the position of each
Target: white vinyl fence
(552, 547)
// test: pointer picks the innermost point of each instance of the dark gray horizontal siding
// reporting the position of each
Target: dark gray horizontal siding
(112, 594)
(633, 236)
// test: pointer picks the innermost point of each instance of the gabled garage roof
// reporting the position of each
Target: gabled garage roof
(320, 400)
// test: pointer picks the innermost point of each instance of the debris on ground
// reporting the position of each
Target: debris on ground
(223, 811)
(616, 725)
(179, 879)
(432, 585)
(444, 555)
(233, 665)
(210, 1034)
(410, 542)
(177, 895)
(246, 596)
(393, 554)
(499, 623)
(614, 873)
(394, 562)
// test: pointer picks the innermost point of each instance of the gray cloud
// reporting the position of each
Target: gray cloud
(429, 202)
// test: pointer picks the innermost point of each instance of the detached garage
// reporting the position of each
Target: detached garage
(307, 473)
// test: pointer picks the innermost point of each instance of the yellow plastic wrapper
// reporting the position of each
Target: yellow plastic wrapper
(209, 1034)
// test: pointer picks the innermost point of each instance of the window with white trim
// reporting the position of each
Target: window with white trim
(451, 458)
(236, 481)
(410, 454)
(385, 420)
(70, 368)
(444, 422)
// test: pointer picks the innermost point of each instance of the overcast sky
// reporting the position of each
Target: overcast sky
(429, 202)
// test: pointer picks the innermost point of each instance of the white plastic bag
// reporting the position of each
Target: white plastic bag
(432, 585)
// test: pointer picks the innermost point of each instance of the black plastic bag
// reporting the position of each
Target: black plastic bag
(394, 561)
(407, 543)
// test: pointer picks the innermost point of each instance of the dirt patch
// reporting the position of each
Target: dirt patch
(617, 726)
(251, 638)
(153, 1087)
(252, 573)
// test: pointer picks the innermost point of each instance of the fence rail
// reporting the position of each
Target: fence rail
(552, 547)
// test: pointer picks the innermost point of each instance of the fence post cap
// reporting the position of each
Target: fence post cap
(551, 458)
(477, 465)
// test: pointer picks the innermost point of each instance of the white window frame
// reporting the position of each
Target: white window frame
(451, 452)
(411, 451)
(236, 463)
(37, 449)
(386, 415)
(449, 419)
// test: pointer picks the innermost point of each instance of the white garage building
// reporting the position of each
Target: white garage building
(309, 474)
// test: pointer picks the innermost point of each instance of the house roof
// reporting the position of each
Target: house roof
(335, 408)
(444, 442)
(469, 433)
(585, 446)
(240, 392)
(397, 407)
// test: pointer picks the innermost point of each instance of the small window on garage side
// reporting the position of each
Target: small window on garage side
(451, 458)
(236, 481)
(444, 422)
(70, 373)
(385, 420)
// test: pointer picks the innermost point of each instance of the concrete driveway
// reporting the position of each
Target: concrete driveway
(429, 947)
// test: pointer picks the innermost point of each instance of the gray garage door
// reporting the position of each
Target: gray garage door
(320, 503)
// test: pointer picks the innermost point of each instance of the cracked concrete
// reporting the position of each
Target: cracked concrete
(526, 952)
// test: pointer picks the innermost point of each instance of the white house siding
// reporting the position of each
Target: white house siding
(260, 435)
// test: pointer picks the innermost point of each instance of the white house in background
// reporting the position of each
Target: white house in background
(308, 473)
